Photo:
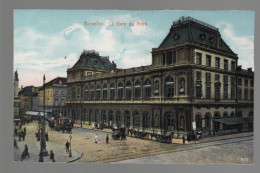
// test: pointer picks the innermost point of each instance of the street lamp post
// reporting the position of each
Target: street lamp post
(43, 151)
(70, 146)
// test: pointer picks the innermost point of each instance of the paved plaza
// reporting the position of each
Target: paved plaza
(133, 150)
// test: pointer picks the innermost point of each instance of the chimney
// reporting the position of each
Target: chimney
(239, 67)
(249, 69)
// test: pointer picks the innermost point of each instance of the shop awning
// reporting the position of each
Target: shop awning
(235, 120)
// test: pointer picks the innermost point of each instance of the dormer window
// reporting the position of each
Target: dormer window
(203, 36)
(211, 39)
(95, 62)
(176, 36)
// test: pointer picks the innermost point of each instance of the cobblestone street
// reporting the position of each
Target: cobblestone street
(132, 148)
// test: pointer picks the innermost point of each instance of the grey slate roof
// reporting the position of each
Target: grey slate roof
(91, 59)
(27, 91)
(188, 29)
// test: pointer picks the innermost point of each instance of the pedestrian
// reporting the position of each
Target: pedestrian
(93, 126)
(67, 145)
(19, 135)
(52, 156)
(24, 130)
(25, 152)
(15, 144)
(23, 135)
(107, 139)
(183, 139)
(15, 131)
(96, 138)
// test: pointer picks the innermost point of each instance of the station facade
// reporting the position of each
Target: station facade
(194, 77)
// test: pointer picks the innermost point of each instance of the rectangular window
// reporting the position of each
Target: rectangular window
(89, 73)
(239, 81)
(198, 58)
(217, 64)
(208, 77)
(198, 90)
(225, 64)
(225, 79)
(208, 90)
(56, 93)
(251, 94)
(233, 80)
(208, 60)
(216, 77)
(239, 93)
(198, 75)
(245, 94)
(251, 83)
(163, 59)
(225, 91)
(169, 58)
(233, 92)
(246, 82)
(174, 57)
(233, 66)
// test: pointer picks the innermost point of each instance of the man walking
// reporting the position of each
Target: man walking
(67, 145)
(107, 139)
(183, 139)
(15, 144)
(96, 138)
(52, 156)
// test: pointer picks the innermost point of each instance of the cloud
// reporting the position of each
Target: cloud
(242, 45)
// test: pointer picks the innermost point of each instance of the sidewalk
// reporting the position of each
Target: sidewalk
(59, 151)
(222, 137)
(179, 141)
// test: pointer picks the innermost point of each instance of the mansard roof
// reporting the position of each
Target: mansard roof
(92, 59)
(188, 29)
(57, 80)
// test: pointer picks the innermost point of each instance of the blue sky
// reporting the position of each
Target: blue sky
(42, 38)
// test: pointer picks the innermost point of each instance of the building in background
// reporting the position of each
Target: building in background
(26, 99)
(192, 84)
(16, 97)
(55, 97)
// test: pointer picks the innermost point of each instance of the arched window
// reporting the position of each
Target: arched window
(92, 91)
(198, 120)
(147, 88)
(86, 92)
(73, 92)
(118, 118)
(182, 86)
(98, 92)
(97, 116)
(137, 89)
(232, 114)
(120, 90)
(239, 114)
(216, 124)
(182, 121)
(112, 91)
(103, 117)
(169, 87)
(90, 116)
(225, 114)
(105, 91)
(156, 88)
(207, 120)
(128, 90)
(111, 118)
(136, 119)
(169, 122)
(85, 115)
(145, 120)
(127, 118)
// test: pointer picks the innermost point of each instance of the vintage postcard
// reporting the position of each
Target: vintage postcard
(117, 86)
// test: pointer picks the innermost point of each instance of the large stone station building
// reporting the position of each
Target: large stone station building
(194, 82)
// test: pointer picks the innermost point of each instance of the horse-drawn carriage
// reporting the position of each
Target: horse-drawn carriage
(63, 124)
(118, 133)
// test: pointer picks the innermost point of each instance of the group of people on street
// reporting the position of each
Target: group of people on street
(21, 133)
(96, 139)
